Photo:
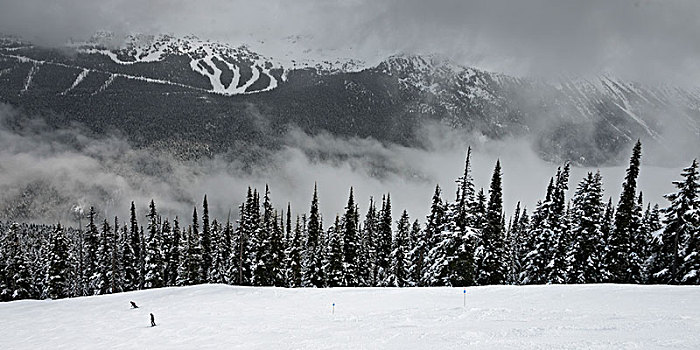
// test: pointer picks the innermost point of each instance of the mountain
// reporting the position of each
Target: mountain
(197, 98)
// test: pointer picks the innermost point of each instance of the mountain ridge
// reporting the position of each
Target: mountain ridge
(587, 121)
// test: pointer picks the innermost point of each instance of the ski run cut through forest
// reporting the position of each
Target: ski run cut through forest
(492, 317)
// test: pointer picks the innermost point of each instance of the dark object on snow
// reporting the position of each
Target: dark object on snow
(153, 321)
(133, 305)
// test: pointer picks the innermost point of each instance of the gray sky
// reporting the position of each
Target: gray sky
(636, 39)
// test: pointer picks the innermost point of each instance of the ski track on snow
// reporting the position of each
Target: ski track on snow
(77, 81)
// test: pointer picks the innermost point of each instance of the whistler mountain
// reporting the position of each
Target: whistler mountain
(197, 98)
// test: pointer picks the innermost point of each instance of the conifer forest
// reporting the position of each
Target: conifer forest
(573, 235)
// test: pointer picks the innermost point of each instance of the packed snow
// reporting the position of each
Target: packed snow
(495, 317)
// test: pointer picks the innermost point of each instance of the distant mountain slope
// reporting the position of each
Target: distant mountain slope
(185, 93)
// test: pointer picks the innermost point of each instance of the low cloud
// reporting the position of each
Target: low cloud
(45, 173)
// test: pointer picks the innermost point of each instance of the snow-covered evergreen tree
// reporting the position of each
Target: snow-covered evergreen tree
(384, 239)
(103, 269)
(464, 203)
(560, 223)
(479, 210)
(399, 275)
(540, 241)
(432, 257)
(312, 267)
(90, 259)
(15, 281)
(416, 255)
(190, 271)
(55, 281)
(333, 259)
(517, 248)
(166, 233)
(640, 244)
(277, 249)
(351, 244)
(154, 260)
(173, 261)
(260, 243)
(620, 244)
(293, 255)
(677, 257)
(219, 247)
(586, 232)
(131, 253)
(368, 264)
(491, 267)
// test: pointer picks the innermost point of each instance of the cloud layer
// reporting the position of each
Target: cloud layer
(45, 173)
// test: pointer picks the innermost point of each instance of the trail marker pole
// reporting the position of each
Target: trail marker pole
(333, 310)
(465, 298)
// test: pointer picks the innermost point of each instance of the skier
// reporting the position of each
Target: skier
(153, 321)
(133, 305)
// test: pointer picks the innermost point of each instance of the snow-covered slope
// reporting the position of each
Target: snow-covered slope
(499, 317)
(230, 70)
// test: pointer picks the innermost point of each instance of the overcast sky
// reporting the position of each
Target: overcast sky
(643, 40)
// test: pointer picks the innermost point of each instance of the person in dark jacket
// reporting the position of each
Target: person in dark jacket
(133, 305)
(153, 321)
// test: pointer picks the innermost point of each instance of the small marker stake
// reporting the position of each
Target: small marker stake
(465, 298)
(333, 310)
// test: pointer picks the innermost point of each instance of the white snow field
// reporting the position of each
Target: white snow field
(227, 317)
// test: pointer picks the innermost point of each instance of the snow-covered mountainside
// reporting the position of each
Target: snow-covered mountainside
(498, 317)
(230, 70)
(214, 94)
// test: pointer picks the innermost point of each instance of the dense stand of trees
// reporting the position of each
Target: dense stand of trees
(465, 242)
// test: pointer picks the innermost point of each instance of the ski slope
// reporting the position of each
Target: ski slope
(226, 317)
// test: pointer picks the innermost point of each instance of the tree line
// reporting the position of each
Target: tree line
(463, 242)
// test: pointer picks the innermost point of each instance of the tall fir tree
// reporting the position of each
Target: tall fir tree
(333, 259)
(640, 244)
(90, 258)
(517, 234)
(104, 260)
(206, 239)
(432, 255)
(368, 263)
(277, 249)
(219, 259)
(399, 275)
(384, 238)
(312, 271)
(620, 243)
(490, 253)
(130, 253)
(560, 223)
(540, 242)
(154, 262)
(55, 281)
(416, 255)
(465, 197)
(166, 233)
(293, 255)
(351, 244)
(173, 261)
(261, 253)
(677, 255)
(586, 232)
